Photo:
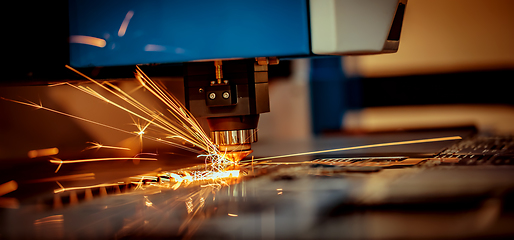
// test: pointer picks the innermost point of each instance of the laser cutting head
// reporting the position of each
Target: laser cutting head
(234, 135)
(231, 95)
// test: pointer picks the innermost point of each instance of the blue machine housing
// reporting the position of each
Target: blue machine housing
(161, 31)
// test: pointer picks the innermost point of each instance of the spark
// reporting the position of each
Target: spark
(74, 177)
(363, 147)
(39, 106)
(139, 154)
(187, 127)
(125, 23)
(8, 187)
(43, 152)
(99, 145)
(88, 40)
(60, 185)
(100, 159)
(176, 185)
(141, 130)
(148, 203)
(180, 125)
(63, 189)
(232, 215)
(189, 205)
(61, 162)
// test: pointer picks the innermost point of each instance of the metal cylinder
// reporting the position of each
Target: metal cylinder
(234, 137)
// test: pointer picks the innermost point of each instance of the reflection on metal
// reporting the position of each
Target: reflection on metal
(51, 227)
(234, 137)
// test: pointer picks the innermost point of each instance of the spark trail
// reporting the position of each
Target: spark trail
(361, 147)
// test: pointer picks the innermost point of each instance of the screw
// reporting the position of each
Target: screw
(226, 95)
(212, 96)
(200, 90)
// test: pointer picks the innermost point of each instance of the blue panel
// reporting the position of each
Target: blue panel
(161, 31)
(327, 94)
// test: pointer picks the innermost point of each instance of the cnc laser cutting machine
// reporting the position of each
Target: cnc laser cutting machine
(449, 182)
(226, 47)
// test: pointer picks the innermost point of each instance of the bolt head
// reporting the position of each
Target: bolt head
(200, 90)
(212, 96)
(226, 95)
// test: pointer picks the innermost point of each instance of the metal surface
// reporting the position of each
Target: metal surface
(363, 197)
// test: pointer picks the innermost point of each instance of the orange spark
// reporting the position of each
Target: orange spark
(74, 177)
(100, 159)
(125, 23)
(40, 106)
(363, 147)
(61, 162)
(63, 189)
(88, 40)
(43, 152)
(8, 187)
(98, 146)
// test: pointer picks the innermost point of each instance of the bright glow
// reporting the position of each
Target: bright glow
(148, 203)
(232, 215)
(43, 152)
(88, 40)
(125, 23)
(176, 177)
(63, 189)
(100, 159)
(8, 187)
(189, 205)
(98, 146)
(181, 127)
